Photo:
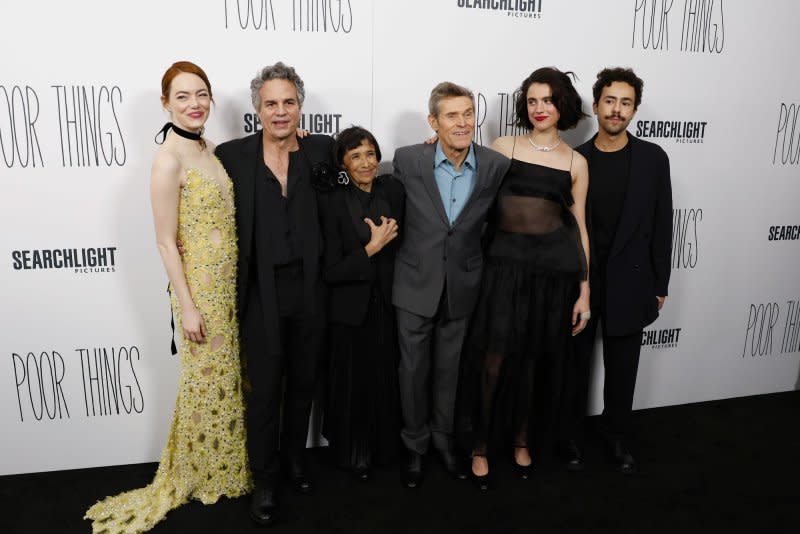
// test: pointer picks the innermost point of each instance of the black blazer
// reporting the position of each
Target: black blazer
(240, 157)
(639, 262)
(347, 269)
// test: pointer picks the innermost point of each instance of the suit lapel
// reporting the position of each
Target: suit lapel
(247, 175)
(477, 187)
(428, 178)
(629, 219)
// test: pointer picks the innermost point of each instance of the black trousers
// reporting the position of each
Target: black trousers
(301, 339)
(621, 364)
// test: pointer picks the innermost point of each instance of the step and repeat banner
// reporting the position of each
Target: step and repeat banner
(86, 375)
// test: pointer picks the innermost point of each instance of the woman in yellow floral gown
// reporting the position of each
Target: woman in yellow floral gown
(205, 456)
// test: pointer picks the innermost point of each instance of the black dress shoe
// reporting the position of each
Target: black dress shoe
(412, 470)
(298, 474)
(623, 458)
(571, 454)
(263, 505)
(453, 464)
(481, 481)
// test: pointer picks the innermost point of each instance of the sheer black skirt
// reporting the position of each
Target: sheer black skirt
(518, 347)
(362, 419)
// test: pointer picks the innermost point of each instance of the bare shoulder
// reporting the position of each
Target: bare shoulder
(504, 145)
(580, 167)
(579, 161)
(166, 165)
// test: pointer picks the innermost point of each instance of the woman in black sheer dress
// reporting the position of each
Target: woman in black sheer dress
(534, 292)
(360, 223)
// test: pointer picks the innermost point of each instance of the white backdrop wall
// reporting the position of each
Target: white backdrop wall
(86, 377)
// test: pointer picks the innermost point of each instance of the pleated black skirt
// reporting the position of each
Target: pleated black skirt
(362, 419)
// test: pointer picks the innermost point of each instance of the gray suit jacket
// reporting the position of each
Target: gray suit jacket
(432, 250)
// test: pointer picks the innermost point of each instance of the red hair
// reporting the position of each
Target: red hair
(179, 67)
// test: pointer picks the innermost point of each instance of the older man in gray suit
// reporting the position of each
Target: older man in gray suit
(450, 186)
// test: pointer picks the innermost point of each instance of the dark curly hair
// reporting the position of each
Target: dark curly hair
(351, 138)
(618, 74)
(565, 98)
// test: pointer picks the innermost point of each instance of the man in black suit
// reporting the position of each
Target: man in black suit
(281, 306)
(449, 188)
(630, 226)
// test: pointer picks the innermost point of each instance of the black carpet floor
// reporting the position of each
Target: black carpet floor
(721, 466)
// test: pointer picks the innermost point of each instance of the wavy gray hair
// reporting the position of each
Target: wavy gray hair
(447, 90)
(278, 71)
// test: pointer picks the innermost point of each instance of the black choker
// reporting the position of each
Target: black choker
(183, 133)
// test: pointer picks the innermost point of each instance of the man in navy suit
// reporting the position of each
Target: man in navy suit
(630, 226)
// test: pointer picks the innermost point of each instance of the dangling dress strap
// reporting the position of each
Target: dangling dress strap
(572, 157)
(173, 348)
(514, 146)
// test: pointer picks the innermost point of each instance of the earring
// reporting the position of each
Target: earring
(343, 178)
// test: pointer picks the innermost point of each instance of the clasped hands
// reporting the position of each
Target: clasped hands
(382, 234)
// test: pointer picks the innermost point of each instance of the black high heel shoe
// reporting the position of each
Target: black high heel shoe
(361, 465)
(522, 471)
(481, 481)
(361, 471)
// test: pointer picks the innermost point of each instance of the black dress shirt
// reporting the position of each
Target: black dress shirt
(275, 220)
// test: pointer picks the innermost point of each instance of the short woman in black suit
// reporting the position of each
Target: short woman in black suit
(360, 223)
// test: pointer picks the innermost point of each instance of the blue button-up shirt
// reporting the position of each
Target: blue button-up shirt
(454, 186)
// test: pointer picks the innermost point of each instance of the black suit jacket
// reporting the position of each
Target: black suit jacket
(347, 269)
(240, 157)
(638, 266)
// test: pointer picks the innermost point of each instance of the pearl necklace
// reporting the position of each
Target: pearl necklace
(541, 148)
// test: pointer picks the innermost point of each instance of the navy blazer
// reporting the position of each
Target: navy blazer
(639, 262)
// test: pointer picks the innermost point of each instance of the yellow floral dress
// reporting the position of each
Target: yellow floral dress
(205, 456)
